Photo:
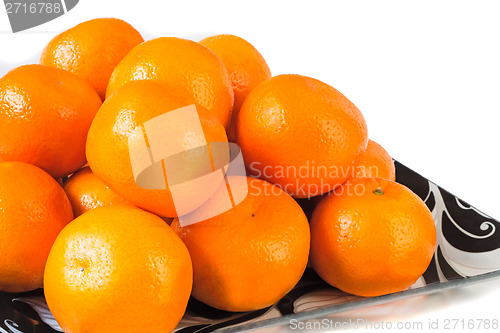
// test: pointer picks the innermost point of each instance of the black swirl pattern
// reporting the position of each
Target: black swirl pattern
(448, 271)
(471, 232)
(21, 315)
(430, 201)
(310, 282)
(202, 318)
(431, 274)
(412, 180)
(198, 308)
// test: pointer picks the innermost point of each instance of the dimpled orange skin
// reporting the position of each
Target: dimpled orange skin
(34, 209)
(252, 255)
(86, 191)
(189, 70)
(301, 134)
(45, 114)
(92, 50)
(376, 162)
(371, 244)
(118, 269)
(108, 150)
(245, 65)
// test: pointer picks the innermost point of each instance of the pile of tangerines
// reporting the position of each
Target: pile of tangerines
(106, 250)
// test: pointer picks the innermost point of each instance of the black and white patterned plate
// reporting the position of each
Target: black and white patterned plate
(468, 251)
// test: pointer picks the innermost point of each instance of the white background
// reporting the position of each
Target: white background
(425, 74)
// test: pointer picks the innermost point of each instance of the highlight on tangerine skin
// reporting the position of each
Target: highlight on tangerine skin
(252, 255)
(372, 237)
(246, 67)
(376, 162)
(300, 134)
(116, 140)
(115, 263)
(45, 115)
(92, 49)
(86, 191)
(189, 70)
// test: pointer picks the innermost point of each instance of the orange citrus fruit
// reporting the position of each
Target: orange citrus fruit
(86, 191)
(245, 65)
(301, 134)
(189, 70)
(92, 50)
(118, 269)
(45, 114)
(33, 210)
(376, 162)
(119, 119)
(252, 255)
(372, 237)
